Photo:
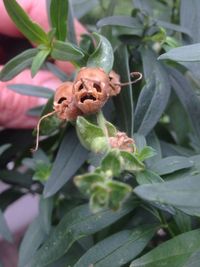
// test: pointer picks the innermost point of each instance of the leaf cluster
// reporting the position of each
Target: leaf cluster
(146, 204)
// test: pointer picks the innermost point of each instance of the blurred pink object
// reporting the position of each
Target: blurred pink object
(13, 106)
(18, 216)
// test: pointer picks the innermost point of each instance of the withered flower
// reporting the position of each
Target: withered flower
(122, 142)
(64, 103)
(91, 89)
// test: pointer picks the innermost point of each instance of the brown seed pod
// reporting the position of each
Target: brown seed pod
(91, 89)
(122, 142)
(115, 86)
(64, 104)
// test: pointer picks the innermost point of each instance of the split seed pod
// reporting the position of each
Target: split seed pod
(64, 104)
(115, 86)
(91, 89)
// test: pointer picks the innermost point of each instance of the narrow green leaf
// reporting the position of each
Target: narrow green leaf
(170, 150)
(70, 258)
(29, 28)
(35, 112)
(32, 239)
(17, 64)
(146, 152)
(82, 7)
(188, 98)
(152, 100)
(144, 101)
(103, 55)
(183, 221)
(33, 90)
(4, 230)
(118, 249)
(184, 194)
(58, 14)
(76, 224)
(171, 164)
(45, 211)
(66, 51)
(189, 18)
(135, 27)
(124, 101)
(140, 141)
(38, 61)
(71, 155)
(174, 27)
(174, 252)
(153, 141)
(131, 162)
(148, 177)
(71, 34)
(183, 53)
(194, 260)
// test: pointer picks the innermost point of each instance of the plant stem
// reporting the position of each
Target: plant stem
(102, 123)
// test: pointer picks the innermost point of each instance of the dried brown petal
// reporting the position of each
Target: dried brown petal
(91, 89)
(122, 142)
(64, 104)
(115, 86)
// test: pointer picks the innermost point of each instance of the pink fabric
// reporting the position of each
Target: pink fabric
(13, 106)
(18, 216)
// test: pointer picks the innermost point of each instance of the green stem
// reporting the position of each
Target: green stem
(165, 224)
(102, 123)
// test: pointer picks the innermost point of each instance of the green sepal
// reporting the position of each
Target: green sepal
(85, 182)
(42, 172)
(91, 136)
(103, 56)
(119, 192)
(100, 197)
(112, 130)
(131, 163)
(145, 153)
(111, 164)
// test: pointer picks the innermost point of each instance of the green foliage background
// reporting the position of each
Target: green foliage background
(158, 225)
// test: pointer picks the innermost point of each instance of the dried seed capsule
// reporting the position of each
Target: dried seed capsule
(64, 104)
(91, 89)
(122, 142)
(115, 86)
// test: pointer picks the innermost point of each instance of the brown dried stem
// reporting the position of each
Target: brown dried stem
(38, 129)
